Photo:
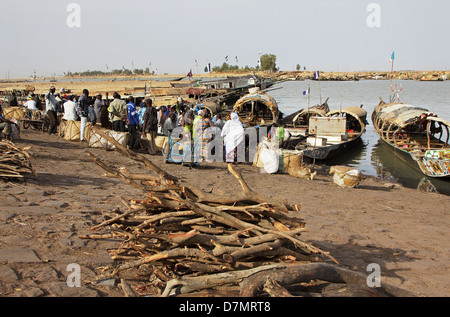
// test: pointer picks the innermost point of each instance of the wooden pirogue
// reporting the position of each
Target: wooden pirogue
(416, 135)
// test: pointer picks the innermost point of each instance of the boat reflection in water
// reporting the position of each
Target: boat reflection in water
(393, 169)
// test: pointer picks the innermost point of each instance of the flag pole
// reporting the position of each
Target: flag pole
(309, 96)
(320, 90)
(392, 75)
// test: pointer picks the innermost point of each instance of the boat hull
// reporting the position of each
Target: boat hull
(330, 151)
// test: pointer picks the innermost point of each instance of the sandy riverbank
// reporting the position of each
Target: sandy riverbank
(41, 220)
(161, 83)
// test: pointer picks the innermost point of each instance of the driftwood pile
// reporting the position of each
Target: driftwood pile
(14, 161)
(180, 240)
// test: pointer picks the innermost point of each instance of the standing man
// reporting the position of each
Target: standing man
(132, 122)
(150, 128)
(83, 104)
(118, 108)
(98, 104)
(13, 102)
(51, 107)
(104, 114)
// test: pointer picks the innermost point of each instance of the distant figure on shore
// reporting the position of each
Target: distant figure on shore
(163, 112)
(31, 103)
(150, 128)
(219, 123)
(132, 122)
(118, 109)
(104, 113)
(13, 102)
(70, 109)
(52, 107)
(30, 106)
(180, 103)
(189, 122)
(233, 134)
(170, 124)
(83, 104)
(203, 135)
(141, 111)
(98, 104)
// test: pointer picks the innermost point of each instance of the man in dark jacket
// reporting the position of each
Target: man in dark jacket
(83, 104)
(150, 126)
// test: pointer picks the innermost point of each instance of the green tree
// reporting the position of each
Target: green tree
(298, 67)
(268, 62)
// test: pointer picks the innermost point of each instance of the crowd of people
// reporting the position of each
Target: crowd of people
(141, 122)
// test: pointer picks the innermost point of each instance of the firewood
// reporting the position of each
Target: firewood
(190, 240)
(14, 161)
(314, 271)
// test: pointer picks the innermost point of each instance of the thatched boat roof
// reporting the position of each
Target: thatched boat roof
(400, 114)
(356, 112)
(267, 100)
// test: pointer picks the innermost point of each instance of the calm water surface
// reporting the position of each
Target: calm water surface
(372, 156)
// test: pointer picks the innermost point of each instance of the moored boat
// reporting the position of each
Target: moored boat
(257, 109)
(416, 135)
(297, 123)
(334, 133)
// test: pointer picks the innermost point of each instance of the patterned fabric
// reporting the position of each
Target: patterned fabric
(204, 136)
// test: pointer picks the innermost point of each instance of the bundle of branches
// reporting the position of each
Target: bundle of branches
(184, 240)
(14, 161)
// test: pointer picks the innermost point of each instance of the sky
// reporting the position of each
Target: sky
(53, 37)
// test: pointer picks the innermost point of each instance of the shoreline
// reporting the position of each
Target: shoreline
(126, 85)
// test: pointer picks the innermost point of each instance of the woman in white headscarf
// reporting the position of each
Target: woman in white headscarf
(234, 138)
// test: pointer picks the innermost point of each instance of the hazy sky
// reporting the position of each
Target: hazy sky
(169, 36)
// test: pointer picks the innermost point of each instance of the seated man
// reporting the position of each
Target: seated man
(70, 109)
(31, 108)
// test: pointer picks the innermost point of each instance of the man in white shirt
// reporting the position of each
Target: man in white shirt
(70, 109)
(51, 107)
(31, 103)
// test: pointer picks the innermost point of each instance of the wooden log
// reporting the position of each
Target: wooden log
(252, 251)
(164, 175)
(191, 284)
(293, 274)
(128, 291)
(274, 289)
(112, 220)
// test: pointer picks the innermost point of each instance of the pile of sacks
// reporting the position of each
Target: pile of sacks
(346, 176)
(272, 160)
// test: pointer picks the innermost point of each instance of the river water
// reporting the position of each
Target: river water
(372, 156)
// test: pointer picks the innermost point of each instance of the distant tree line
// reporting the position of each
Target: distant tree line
(123, 71)
(267, 63)
(233, 68)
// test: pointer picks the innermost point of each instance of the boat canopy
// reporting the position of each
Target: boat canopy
(211, 106)
(356, 112)
(311, 112)
(400, 114)
(257, 109)
(268, 100)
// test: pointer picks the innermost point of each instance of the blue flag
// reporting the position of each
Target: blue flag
(306, 92)
(316, 75)
(392, 57)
